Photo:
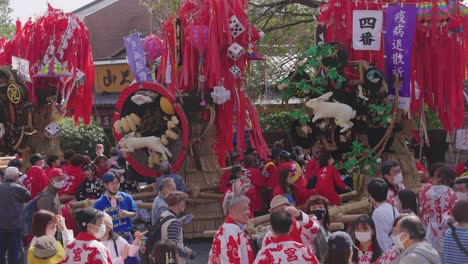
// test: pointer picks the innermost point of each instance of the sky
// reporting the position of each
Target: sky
(23, 9)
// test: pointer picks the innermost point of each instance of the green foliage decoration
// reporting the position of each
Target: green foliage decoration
(81, 138)
(278, 120)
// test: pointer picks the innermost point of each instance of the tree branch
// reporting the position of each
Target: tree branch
(266, 30)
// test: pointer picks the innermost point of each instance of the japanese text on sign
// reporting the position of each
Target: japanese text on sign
(367, 29)
(400, 23)
(112, 78)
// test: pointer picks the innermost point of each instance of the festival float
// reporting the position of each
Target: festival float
(47, 69)
(195, 106)
(376, 67)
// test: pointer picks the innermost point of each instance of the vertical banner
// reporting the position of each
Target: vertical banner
(367, 29)
(400, 25)
(136, 57)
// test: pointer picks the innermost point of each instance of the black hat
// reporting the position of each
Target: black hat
(88, 216)
(36, 157)
(236, 169)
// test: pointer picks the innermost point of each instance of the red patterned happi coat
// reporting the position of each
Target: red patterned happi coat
(284, 250)
(436, 203)
(392, 195)
(388, 256)
(86, 250)
(303, 232)
(231, 245)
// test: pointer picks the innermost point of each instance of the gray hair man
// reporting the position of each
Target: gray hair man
(408, 235)
(12, 199)
(166, 186)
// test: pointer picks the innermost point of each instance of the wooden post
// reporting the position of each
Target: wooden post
(347, 208)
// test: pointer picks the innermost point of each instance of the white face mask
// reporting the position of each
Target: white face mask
(101, 232)
(398, 179)
(58, 185)
(398, 242)
(462, 196)
(363, 236)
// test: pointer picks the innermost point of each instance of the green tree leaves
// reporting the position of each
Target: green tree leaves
(81, 138)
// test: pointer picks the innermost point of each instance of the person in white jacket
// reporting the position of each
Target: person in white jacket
(119, 249)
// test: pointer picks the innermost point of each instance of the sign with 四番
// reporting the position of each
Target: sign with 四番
(400, 25)
(367, 29)
(462, 139)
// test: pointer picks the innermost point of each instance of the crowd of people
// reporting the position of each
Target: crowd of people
(296, 188)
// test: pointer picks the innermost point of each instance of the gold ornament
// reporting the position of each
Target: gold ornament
(166, 106)
(14, 94)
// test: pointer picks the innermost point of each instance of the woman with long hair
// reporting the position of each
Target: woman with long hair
(318, 207)
(437, 200)
(164, 252)
(340, 250)
(285, 187)
(328, 178)
(407, 202)
(366, 249)
(45, 224)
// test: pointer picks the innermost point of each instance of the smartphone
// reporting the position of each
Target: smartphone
(188, 219)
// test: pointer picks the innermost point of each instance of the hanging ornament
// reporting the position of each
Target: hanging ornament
(235, 51)
(236, 72)
(236, 26)
(220, 94)
(52, 68)
(52, 130)
(153, 47)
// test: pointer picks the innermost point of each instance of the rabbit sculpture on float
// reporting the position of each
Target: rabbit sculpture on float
(342, 113)
(130, 143)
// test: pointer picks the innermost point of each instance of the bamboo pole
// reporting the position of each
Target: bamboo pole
(347, 218)
(347, 208)
(213, 196)
(65, 198)
(336, 226)
(347, 196)
(144, 195)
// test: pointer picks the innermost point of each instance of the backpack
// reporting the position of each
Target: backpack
(28, 212)
(154, 235)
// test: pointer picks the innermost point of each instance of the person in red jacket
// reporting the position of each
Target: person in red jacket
(36, 179)
(74, 175)
(224, 181)
(52, 162)
(258, 181)
(328, 178)
(312, 167)
(67, 155)
(269, 172)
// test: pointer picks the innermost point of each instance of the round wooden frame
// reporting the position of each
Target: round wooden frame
(124, 96)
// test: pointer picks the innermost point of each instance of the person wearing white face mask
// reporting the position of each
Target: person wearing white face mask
(408, 235)
(48, 198)
(86, 248)
(366, 249)
(392, 174)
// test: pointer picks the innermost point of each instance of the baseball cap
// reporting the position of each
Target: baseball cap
(11, 172)
(165, 164)
(36, 157)
(108, 177)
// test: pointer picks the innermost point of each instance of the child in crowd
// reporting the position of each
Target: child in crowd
(91, 187)
(366, 249)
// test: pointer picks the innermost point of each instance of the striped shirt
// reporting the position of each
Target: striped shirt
(452, 253)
